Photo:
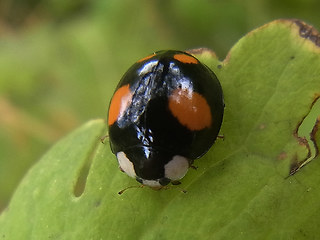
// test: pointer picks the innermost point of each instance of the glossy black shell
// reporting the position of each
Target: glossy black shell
(148, 133)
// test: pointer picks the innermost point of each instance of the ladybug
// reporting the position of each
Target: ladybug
(166, 112)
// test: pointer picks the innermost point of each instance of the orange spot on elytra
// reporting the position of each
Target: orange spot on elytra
(146, 58)
(190, 108)
(184, 58)
(119, 103)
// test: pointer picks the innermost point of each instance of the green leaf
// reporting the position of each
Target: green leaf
(242, 188)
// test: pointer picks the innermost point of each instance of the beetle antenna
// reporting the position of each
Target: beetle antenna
(175, 187)
(165, 188)
(123, 190)
(182, 190)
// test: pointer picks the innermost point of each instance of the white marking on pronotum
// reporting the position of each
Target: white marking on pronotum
(151, 183)
(125, 164)
(176, 168)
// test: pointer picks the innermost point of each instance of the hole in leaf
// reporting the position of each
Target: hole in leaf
(310, 121)
(82, 179)
(307, 134)
(80, 185)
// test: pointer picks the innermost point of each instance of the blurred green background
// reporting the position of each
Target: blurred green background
(60, 60)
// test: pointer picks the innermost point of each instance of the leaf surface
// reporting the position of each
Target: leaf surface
(242, 188)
